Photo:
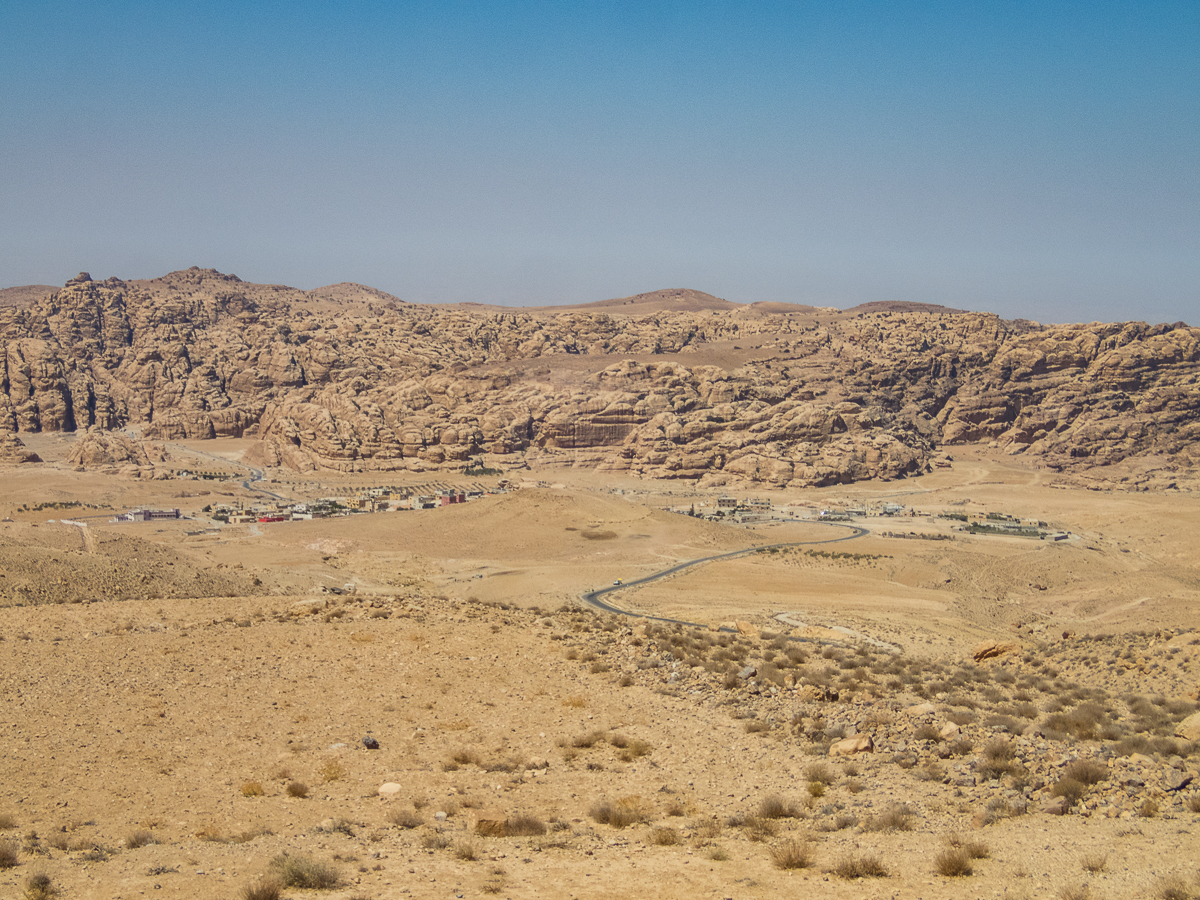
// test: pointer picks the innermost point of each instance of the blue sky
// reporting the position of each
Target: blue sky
(1039, 160)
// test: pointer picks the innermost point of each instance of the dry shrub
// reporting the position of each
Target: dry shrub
(1148, 809)
(973, 849)
(719, 854)
(630, 748)
(263, 889)
(866, 866)
(305, 872)
(775, 807)
(820, 773)
(664, 837)
(794, 853)
(575, 702)
(297, 789)
(928, 732)
(434, 840)
(332, 770)
(897, 817)
(1087, 771)
(754, 726)
(1094, 862)
(39, 887)
(709, 828)
(494, 883)
(467, 850)
(585, 741)
(1172, 888)
(625, 812)
(953, 862)
(514, 826)
(10, 854)
(252, 789)
(139, 838)
(466, 757)
(1069, 789)
(1193, 803)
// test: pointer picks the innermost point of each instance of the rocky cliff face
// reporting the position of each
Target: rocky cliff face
(347, 377)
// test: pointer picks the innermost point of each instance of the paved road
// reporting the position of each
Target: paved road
(592, 598)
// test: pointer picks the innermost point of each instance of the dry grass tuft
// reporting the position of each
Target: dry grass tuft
(139, 838)
(775, 807)
(305, 872)
(10, 854)
(39, 887)
(625, 812)
(897, 817)
(467, 850)
(794, 853)
(297, 789)
(263, 889)
(865, 866)
(664, 837)
(252, 789)
(332, 770)
(406, 818)
(953, 862)
(1172, 888)
(1094, 862)
(575, 702)
(973, 849)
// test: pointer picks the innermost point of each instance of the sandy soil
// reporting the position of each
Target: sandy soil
(152, 671)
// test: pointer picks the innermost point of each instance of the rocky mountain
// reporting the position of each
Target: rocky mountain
(674, 384)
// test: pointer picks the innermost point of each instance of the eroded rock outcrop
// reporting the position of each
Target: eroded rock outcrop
(679, 386)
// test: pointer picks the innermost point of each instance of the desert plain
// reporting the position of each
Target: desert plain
(941, 641)
(186, 702)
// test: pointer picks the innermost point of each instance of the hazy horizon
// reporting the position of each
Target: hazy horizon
(1039, 161)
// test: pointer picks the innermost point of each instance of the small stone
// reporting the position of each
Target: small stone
(370, 743)
(389, 789)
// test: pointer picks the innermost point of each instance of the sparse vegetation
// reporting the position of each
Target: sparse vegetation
(252, 789)
(305, 872)
(793, 853)
(263, 889)
(10, 854)
(953, 862)
(297, 789)
(39, 886)
(867, 865)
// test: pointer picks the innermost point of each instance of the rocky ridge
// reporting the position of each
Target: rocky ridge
(350, 378)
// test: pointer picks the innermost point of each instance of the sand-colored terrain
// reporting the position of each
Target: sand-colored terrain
(174, 677)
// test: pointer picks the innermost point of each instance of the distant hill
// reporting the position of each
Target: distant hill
(667, 384)
(25, 294)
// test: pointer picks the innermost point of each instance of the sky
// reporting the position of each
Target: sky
(1039, 160)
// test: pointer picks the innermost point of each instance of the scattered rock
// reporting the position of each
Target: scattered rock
(389, 789)
(993, 649)
(860, 743)
(1189, 728)
(370, 743)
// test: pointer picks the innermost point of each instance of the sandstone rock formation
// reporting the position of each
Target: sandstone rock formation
(675, 384)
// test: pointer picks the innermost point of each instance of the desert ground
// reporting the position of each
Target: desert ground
(185, 701)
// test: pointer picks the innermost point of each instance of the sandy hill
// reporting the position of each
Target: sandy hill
(25, 294)
(669, 300)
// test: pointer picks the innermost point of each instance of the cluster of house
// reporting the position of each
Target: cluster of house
(369, 501)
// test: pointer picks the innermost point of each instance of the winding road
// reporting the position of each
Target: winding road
(592, 598)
